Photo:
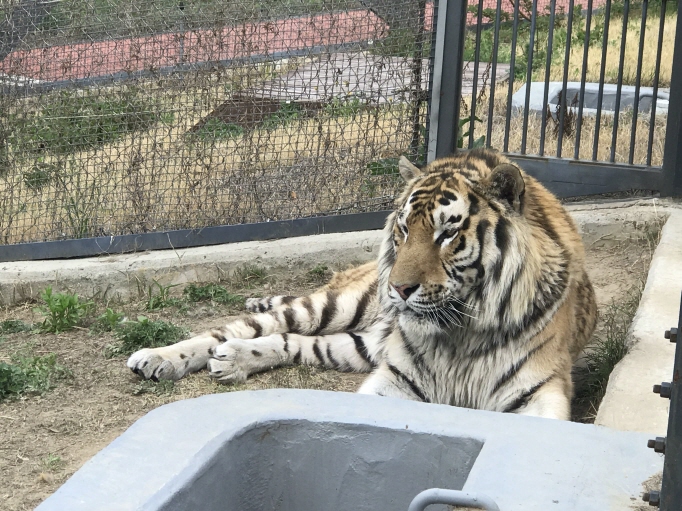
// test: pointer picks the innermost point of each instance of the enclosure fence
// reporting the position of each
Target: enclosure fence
(133, 125)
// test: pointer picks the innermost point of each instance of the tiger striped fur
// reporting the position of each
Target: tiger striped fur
(479, 299)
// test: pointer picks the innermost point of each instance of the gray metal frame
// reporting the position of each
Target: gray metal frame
(186, 238)
(669, 498)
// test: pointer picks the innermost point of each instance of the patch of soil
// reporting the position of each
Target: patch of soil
(45, 439)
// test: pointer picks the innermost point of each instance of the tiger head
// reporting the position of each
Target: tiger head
(449, 234)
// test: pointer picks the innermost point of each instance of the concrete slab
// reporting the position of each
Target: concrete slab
(124, 276)
(629, 403)
(295, 450)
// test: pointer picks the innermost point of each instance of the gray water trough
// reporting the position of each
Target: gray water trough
(627, 98)
(300, 450)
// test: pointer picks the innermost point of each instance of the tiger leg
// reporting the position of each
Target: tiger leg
(551, 401)
(352, 305)
(236, 359)
(389, 381)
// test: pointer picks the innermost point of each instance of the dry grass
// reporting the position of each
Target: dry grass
(632, 39)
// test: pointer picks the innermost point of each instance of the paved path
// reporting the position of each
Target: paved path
(100, 58)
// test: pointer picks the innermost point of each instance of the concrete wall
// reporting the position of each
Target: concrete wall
(296, 450)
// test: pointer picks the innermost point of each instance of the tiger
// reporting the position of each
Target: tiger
(479, 298)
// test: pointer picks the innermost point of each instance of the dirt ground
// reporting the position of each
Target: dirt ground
(45, 439)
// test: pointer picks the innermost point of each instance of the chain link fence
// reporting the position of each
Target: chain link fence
(121, 117)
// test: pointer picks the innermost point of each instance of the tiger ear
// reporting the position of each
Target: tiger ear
(407, 169)
(506, 183)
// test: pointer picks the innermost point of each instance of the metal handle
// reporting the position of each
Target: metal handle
(453, 498)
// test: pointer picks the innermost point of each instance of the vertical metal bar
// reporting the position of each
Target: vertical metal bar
(548, 68)
(671, 489)
(416, 85)
(474, 88)
(512, 66)
(496, 43)
(447, 83)
(564, 100)
(600, 95)
(657, 74)
(672, 155)
(583, 75)
(619, 81)
(432, 62)
(529, 76)
(638, 82)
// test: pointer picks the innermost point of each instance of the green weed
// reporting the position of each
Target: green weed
(608, 350)
(215, 128)
(344, 107)
(40, 176)
(108, 321)
(479, 142)
(13, 326)
(144, 333)
(53, 462)
(27, 374)
(74, 120)
(288, 113)
(319, 272)
(62, 311)
(161, 298)
(213, 293)
(160, 388)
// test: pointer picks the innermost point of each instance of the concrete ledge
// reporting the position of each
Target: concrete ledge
(296, 450)
(629, 403)
(124, 276)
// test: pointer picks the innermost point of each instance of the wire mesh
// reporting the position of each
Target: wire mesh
(123, 117)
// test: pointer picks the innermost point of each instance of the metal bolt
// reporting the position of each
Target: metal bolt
(652, 497)
(671, 334)
(657, 445)
(664, 389)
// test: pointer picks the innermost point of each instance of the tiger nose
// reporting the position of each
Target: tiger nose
(405, 290)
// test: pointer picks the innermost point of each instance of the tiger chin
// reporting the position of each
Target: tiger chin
(479, 299)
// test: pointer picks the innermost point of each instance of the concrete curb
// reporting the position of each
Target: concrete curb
(629, 403)
(122, 277)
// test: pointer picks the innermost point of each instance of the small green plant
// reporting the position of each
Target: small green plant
(62, 311)
(73, 120)
(609, 349)
(213, 293)
(215, 128)
(40, 176)
(161, 298)
(53, 462)
(249, 276)
(144, 333)
(160, 388)
(288, 113)
(28, 374)
(319, 271)
(385, 167)
(108, 321)
(479, 142)
(13, 326)
(344, 107)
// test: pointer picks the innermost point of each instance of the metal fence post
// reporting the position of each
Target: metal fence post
(672, 154)
(671, 490)
(447, 78)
